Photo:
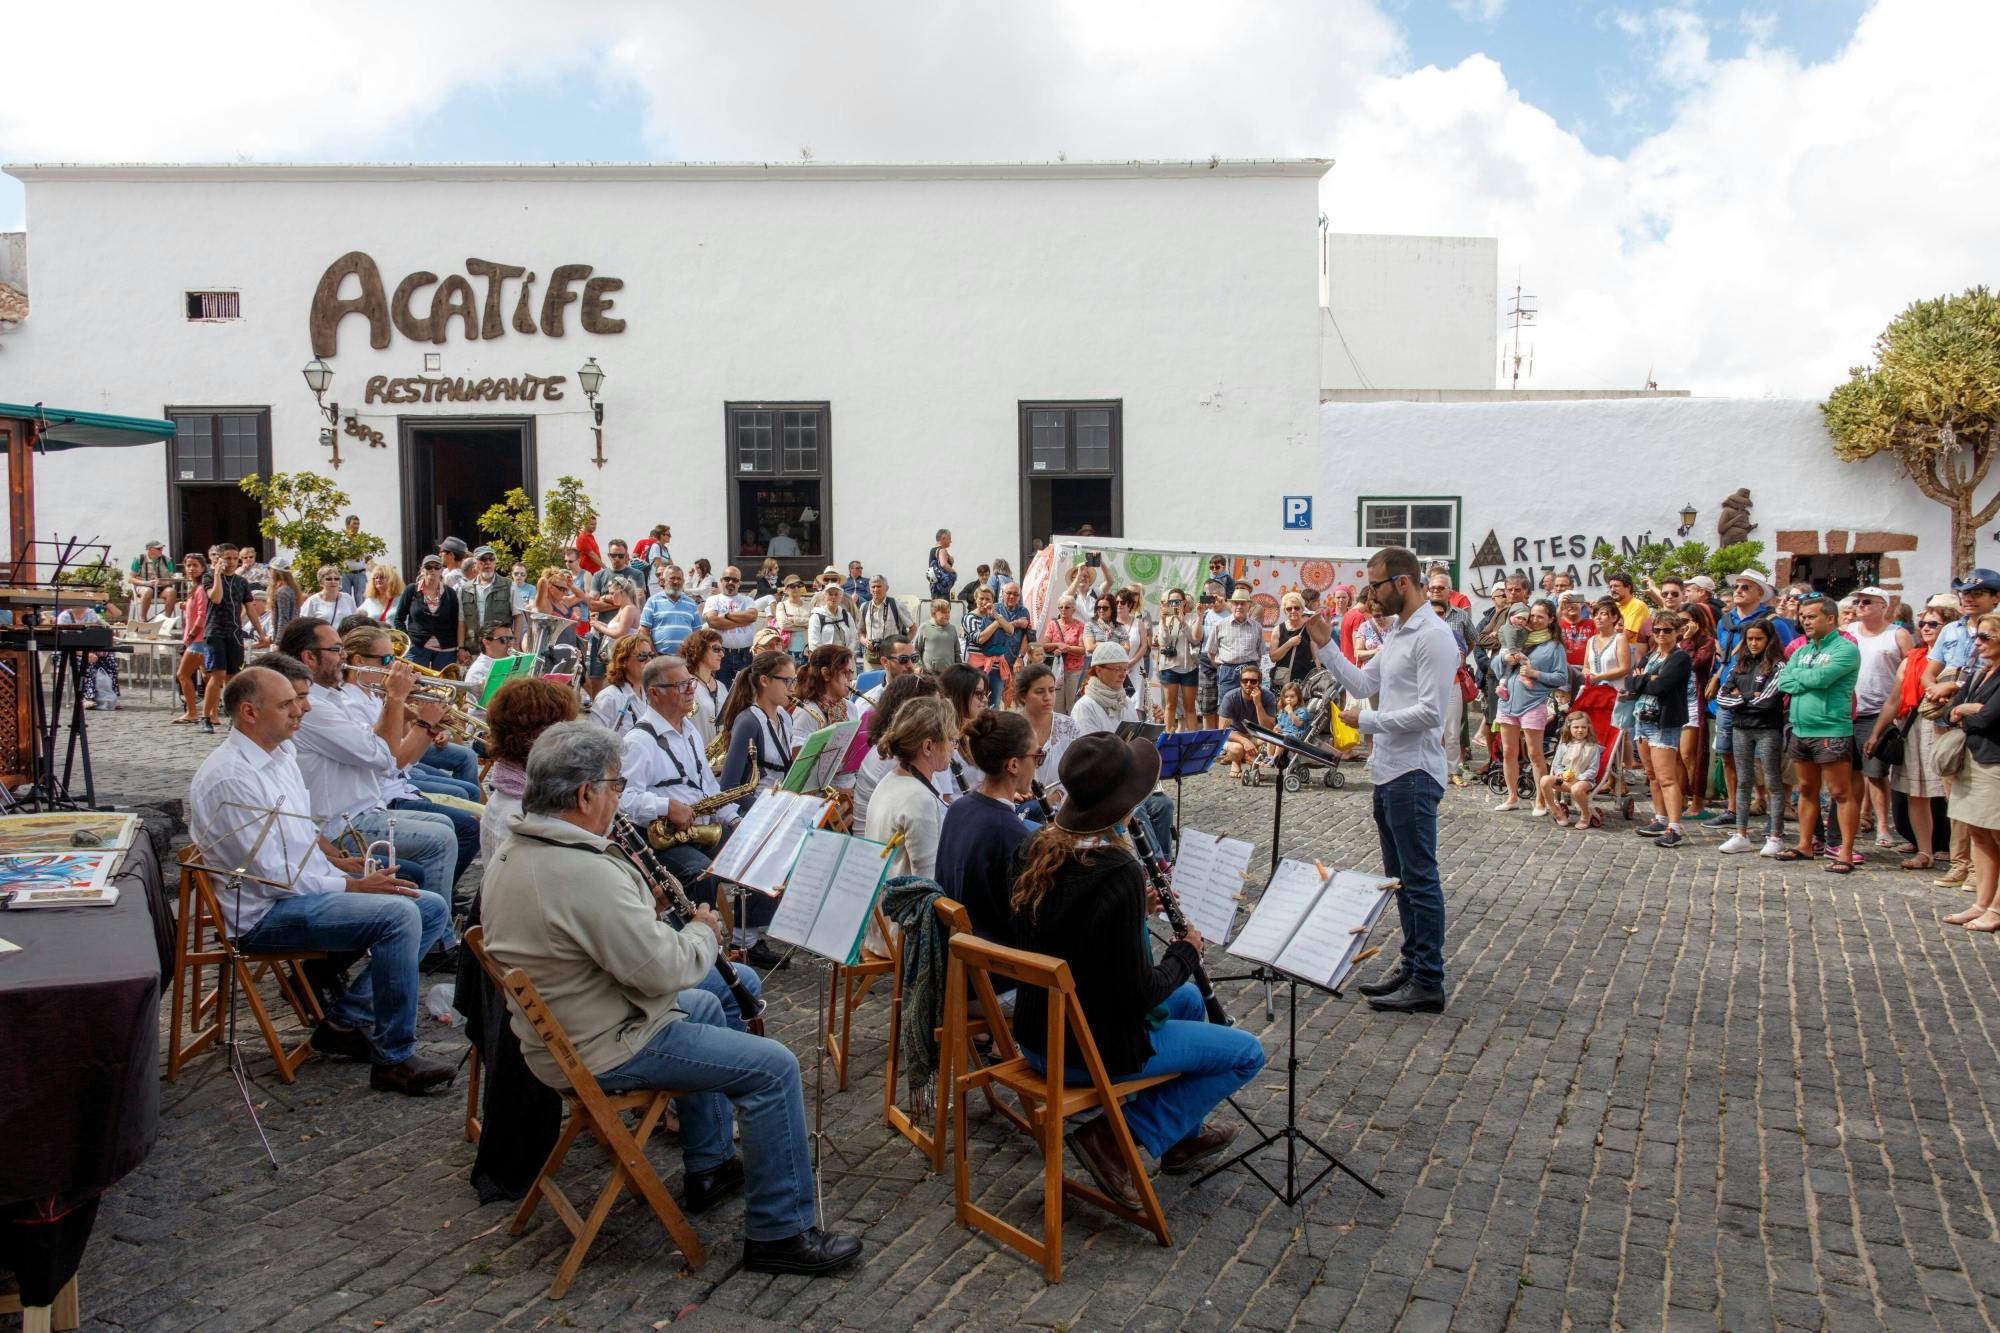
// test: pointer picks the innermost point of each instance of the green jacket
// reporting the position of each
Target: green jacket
(1820, 679)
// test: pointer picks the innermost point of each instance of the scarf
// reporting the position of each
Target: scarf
(909, 902)
(507, 779)
(1108, 697)
(1538, 637)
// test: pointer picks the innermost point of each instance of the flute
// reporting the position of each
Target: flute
(633, 840)
(1155, 867)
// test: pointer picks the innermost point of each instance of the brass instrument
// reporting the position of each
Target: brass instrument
(399, 644)
(718, 752)
(459, 724)
(667, 891)
(662, 834)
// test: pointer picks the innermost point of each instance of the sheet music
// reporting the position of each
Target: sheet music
(750, 835)
(1323, 947)
(1209, 877)
(810, 876)
(1293, 889)
(802, 814)
(829, 891)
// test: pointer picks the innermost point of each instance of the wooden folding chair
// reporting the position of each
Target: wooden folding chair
(63, 1315)
(590, 1108)
(201, 941)
(953, 1056)
(845, 989)
(1049, 1099)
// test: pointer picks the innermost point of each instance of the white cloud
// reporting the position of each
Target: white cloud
(1479, 11)
(1755, 242)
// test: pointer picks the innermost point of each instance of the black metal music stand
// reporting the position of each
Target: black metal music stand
(45, 710)
(1188, 754)
(1287, 747)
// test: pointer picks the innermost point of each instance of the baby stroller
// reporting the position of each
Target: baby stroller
(1322, 693)
(1496, 774)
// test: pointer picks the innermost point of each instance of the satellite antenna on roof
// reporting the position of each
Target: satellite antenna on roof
(1520, 311)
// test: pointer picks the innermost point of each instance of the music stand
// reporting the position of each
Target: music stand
(47, 792)
(1188, 754)
(1288, 747)
(1321, 947)
(266, 822)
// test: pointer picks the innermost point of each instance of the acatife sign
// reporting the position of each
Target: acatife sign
(423, 308)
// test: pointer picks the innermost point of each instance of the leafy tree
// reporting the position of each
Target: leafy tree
(303, 513)
(515, 532)
(101, 575)
(1659, 560)
(1931, 400)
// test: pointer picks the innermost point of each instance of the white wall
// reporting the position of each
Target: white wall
(1568, 472)
(1409, 312)
(922, 304)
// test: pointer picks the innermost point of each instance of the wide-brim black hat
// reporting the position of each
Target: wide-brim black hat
(1104, 779)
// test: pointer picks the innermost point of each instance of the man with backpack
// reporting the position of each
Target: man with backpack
(941, 570)
(882, 616)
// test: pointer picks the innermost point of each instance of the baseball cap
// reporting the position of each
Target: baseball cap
(484, 552)
(1979, 580)
(1872, 591)
(283, 562)
(156, 546)
(432, 562)
(1702, 581)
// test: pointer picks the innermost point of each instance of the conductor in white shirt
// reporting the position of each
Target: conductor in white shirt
(1413, 677)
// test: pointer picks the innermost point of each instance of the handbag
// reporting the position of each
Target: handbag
(1468, 684)
(1893, 746)
(1936, 710)
(1949, 749)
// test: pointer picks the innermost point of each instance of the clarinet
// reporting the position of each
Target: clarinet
(1155, 867)
(1042, 803)
(632, 840)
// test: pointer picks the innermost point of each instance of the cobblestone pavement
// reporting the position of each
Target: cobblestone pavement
(1672, 1090)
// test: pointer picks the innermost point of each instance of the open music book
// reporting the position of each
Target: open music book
(1310, 924)
(821, 758)
(764, 844)
(829, 892)
(1209, 875)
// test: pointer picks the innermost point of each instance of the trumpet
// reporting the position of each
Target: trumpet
(430, 684)
(459, 725)
(662, 834)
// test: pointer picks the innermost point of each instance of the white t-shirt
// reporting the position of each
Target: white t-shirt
(901, 804)
(1880, 656)
(874, 767)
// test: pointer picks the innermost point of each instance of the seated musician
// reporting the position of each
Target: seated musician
(756, 720)
(352, 750)
(1100, 707)
(624, 986)
(330, 904)
(496, 640)
(1080, 895)
(522, 710)
(975, 851)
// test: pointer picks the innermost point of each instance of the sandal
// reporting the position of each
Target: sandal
(1918, 862)
(1967, 917)
(182, 720)
(1791, 854)
(1987, 924)
(1838, 868)
(1561, 818)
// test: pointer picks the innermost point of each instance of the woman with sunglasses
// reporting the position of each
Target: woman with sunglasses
(1917, 776)
(619, 619)
(331, 603)
(384, 585)
(982, 831)
(702, 650)
(622, 699)
(1180, 663)
(1975, 790)
(1658, 717)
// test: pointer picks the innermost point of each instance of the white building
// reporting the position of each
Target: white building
(865, 353)
(1408, 312)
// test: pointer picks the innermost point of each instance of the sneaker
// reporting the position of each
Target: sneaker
(1539, 812)
(1953, 876)
(1653, 830)
(1772, 846)
(1716, 816)
(1736, 843)
(1671, 838)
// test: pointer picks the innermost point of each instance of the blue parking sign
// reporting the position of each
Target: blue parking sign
(1298, 513)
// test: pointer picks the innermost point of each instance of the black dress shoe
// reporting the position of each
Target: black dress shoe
(811, 1252)
(701, 1193)
(342, 1043)
(415, 1077)
(1410, 998)
(763, 957)
(1393, 982)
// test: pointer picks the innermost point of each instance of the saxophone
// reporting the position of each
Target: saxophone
(662, 834)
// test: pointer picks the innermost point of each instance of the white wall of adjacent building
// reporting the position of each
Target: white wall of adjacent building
(1409, 312)
(921, 304)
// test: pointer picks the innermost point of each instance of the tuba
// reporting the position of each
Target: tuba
(662, 834)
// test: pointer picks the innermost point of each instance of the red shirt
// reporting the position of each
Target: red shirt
(587, 554)
(1348, 624)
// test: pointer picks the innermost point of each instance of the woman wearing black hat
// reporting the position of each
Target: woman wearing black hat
(1080, 895)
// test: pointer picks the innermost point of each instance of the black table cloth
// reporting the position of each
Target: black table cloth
(79, 1066)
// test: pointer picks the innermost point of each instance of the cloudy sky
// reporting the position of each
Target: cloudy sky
(1734, 199)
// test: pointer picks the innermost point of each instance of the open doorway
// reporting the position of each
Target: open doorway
(213, 449)
(1071, 461)
(1837, 575)
(453, 471)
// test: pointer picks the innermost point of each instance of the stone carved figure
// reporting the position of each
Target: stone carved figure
(1735, 525)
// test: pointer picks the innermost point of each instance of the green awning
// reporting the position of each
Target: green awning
(65, 429)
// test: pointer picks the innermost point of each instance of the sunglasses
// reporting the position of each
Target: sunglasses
(500, 638)
(1930, 624)
(1986, 636)
(902, 659)
(732, 581)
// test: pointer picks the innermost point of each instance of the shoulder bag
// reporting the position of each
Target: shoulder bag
(1948, 750)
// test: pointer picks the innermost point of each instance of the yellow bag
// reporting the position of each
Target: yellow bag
(1344, 737)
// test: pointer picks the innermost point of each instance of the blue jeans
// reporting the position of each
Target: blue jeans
(1158, 812)
(465, 826)
(431, 782)
(1406, 823)
(1213, 1062)
(716, 1066)
(396, 932)
(354, 583)
(424, 847)
(454, 761)
(733, 661)
(732, 1014)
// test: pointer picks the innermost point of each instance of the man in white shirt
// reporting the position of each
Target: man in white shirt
(784, 545)
(1413, 675)
(666, 770)
(352, 751)
(495, 643)
(881, 616)
(732, 613)
(316, 898)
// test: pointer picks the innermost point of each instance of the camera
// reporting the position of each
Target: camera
(1093, 559)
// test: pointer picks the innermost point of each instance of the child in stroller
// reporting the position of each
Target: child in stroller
(1315, 722)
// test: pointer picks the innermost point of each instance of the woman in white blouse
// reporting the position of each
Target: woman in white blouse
(622, 701)
(878, 763)
(702, 651)
(1039, 693)
(907, 803)
(329, 603)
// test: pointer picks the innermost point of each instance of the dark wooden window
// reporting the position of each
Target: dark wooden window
(780, 476)
(1071, 458)
(213, 449)
(214, 305)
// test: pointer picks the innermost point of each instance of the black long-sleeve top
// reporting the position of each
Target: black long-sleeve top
(422, 625)
(1982, 729)
(1666, 679)
(1094, 918)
